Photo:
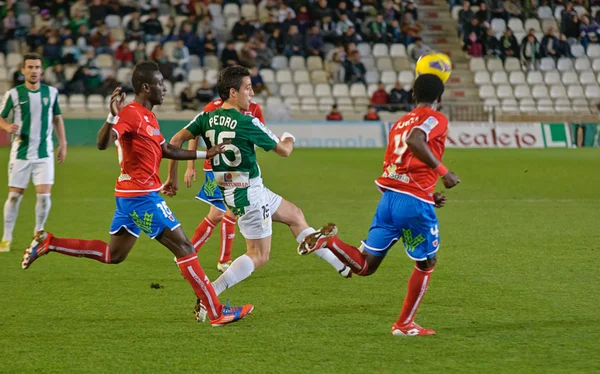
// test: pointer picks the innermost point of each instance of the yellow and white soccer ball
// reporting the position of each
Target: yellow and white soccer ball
(435, 63)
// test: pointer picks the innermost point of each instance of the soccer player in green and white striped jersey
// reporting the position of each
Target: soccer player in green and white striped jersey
(35, 113)
(238, 175)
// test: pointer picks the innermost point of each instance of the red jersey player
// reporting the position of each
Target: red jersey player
(211, 194)
(139, 206)
(412, 165)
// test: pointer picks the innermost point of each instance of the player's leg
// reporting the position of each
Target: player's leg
(19, 173)
(210, 194)
(227, 236)
(421, 242)
(42, 174)
(291, 215)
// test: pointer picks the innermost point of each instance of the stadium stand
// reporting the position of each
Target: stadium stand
(511, 56)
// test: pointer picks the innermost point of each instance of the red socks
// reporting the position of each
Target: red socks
(94, 249)
(202, 233)
(227, 235)
(417, 285)
(193, 273)
(349, 255)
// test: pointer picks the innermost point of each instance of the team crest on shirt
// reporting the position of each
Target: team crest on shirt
(45, 100)
(430, 123)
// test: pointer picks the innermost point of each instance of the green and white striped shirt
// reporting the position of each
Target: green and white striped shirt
(33, 112)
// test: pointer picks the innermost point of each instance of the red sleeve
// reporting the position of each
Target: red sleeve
(258, 114)
(434, 126)
(124, 124)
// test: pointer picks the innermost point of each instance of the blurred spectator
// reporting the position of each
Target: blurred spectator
(70, 52)
(205, 93)
(258, 85)
(153, 30)
(315, 42)
(242, 30)
(334, 68)
(530, 52)
(372, 114)
(549, 46)
(398, 98)
(102, 39)
(98, 12)
(210, 46)
(355, 70)
(475, 27)
(343, 24)
(531, 32)
(83, 38)
(169, 30)
(289, 22)
(391, 11)
(510, 47)
(140, 53)
(410, 28)
(134, 29)
(79, 8)
(186, 99)
(394, 32)
(33, 39)
(271, 24)
(303, 19)
(483, 14)
(380, 97)
(320, 10)
(492, 45)
(588, 31)
(275, 41)
(566, 15)
(497, 9)
(9, 25)
(164, 65)
(61, 82)
(181, 56)
(474, 46)
(378, 30)
(46, 22)
(77, 20)
(264, 56)
(285, 12)
(61, 19)
(513, 8)
(465, 15)
(52, 52)
(334, 115)
(293, 43)
(18, 78)
(351, 36)
(419, 49)
(204, 26)
(124, 56)
(564, 48)
(328, 29)
(412, 10)
(247, 56)
(229, 56)
(571, 29)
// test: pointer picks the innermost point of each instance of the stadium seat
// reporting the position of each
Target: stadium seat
(548, 24)
(587, 77)
(215, 10)
(552, 77)
(482, 77)
(314, 63)
(340, 90)
(532, 23)
(267, 75)
(534, 77)
(401, 63)
(249, 12)
(380, 50)
(592, 92)
(516, 77)
(95, 102)
(368, 61)
(397, 50)
(564, 64)
(13, 60)
(293, 102)
(582, 64)
(545, 12)
(504, 91)
(323, 90)
(477, 64)
(358, 90)
(283, 76)
(498, 26)
(575, 92)
(384, 63)
(319, 76)
(577, 51)
(499, 77)
(512, 64)
(305, 90)
(547, 63)
(78, 101)
(274, 100)
(364, 49)
(455, 10)
(495, 64)
(178, 88)
(196, 75)
(558, 91)
(287, 89)
(596, 64)
(539, 92)
(25, 20)
(280, 62)
(522, 91)
(406, 76)
(569, 77)
(231, 10)
(113, 21)
(297, 63)
(487, 91)
(211, 75)
(373, 76)
(593, 50)
(581, 11)
(371, 88)
(515, 24)
(124, 75)
(301, 76)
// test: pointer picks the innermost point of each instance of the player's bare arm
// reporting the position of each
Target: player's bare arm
(417, 143)
(286, 145)
(59, 130)
(10, 128)
(190, 172)
(106, 135)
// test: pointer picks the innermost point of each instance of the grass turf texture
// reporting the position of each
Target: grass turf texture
(515, 288)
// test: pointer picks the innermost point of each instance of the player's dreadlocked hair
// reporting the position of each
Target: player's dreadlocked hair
(231, 77)
(428, 88)
(143, 72)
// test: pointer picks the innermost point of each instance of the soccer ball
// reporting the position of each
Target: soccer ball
(435, 63)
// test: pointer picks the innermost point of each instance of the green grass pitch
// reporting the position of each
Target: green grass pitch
(515, 289)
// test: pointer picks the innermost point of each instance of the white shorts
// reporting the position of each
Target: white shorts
(256, 223)
(41, 171)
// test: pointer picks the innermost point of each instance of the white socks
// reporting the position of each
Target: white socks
(42, 208)
(11, 210)
(240, 269)
(324, 253)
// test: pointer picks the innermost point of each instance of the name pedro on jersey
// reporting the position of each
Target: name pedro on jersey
(222, 121)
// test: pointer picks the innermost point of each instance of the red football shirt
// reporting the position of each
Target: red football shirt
(254, 110)
(402, 171)
(139, 147)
